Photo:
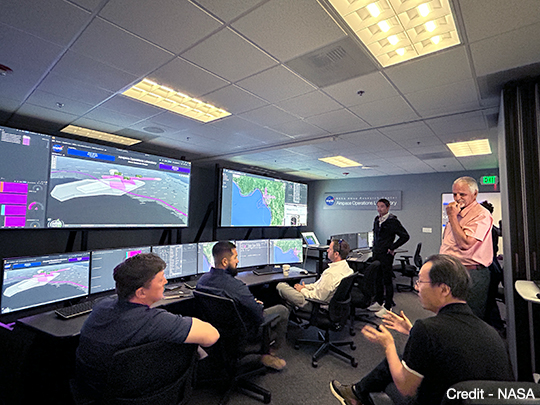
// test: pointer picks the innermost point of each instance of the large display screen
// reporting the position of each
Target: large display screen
(24, 174)
(286, 251)
(181, 259)
(93, 185)
(35, 281)
(252, 200)
(53, 182)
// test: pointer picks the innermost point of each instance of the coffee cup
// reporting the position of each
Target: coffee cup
(286, 268)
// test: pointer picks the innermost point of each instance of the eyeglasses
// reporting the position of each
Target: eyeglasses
(421, 282)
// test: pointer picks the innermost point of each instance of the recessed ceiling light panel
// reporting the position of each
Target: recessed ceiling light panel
(470, 148)
(422, 26)
(340, 161)
(103, 136)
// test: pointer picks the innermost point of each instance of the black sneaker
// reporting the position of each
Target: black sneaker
(344, 393)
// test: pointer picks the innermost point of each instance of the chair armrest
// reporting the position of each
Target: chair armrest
(316, 301)
(265, 331)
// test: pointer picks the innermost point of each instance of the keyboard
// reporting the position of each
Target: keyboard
(75, 310)
(267, 270)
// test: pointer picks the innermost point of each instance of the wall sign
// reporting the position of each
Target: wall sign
(361, 200)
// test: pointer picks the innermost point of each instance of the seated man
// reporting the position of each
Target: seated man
(453, 346)
(222, 277)
(128, 321)
(325, 287)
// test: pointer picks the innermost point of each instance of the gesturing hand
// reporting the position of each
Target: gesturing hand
(400, 323)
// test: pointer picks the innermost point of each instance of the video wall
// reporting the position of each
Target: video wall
(252, 200)
(51, 182)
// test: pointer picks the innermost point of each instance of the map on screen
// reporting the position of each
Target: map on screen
(251, 200)
(285, 251)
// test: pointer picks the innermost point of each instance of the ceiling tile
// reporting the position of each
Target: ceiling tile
(414, 145)
(507, 51)
(445, 165)
(489, 18)
(268, 116)
(338, 121)
(73, 89)
(48, 100)
(86, 122)
(298, 129)
(371, 141)
(309, 104)
(46, 114)
(80, 67)
(385, 112)
(187, 78)
(53, 20)
(460, 96)
(434, 70)
(27, 66)
(221, 52)
(458, 123)
(107, 43)
(407, 131)
(374, 85)
(174, 25)
(288, 29)
(90, 5)
(129, 106)
(234, 100)
(172, 120)
(276, 84)
(227, 10)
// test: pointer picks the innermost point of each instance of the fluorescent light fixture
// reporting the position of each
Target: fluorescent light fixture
(470, 148)
(413, 22)
(340, 161)
(164, 97)
(103, 136)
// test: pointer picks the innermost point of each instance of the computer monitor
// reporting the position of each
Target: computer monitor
(35, 281)
(181, 259)
(205, 259)
(252, 253)
(251, 200)
(363, 240)
(351, 238)
(93, 185)
(310, 238)
(103, 263)
(23, 178)
(286, 251)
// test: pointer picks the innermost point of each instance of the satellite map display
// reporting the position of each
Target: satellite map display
(286, 251)
(251, 200)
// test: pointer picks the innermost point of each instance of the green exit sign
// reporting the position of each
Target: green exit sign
(489, 180)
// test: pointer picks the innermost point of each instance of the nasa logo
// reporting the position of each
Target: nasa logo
(57, 148)
(330, 200)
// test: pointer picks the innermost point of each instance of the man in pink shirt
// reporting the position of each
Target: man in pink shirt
(467, 236)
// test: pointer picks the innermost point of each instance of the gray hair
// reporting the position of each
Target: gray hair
(473, 185)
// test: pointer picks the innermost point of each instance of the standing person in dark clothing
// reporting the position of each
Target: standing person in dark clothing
(386, 227)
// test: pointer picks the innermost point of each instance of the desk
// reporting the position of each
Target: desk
(50, 324)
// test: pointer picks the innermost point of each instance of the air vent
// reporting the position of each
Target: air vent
(333, 63)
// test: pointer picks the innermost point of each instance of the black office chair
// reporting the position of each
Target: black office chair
(362, 293)
(409, 270)
(332, 319)
(494, 393)
(234, 343)
(156, 373)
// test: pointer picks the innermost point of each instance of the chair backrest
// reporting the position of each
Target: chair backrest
(154, 373)
(221, 312)
(362, 294)
(417, 258)
(339, 306)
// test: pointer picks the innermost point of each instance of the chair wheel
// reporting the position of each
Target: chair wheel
(314, 364)
(354, 363)
(352, 332)
(297, 346)
(353, 346)
(267, 399)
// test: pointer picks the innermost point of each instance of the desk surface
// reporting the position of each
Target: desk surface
(51, 324)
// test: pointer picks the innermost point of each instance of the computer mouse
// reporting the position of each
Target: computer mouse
(303, 272)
